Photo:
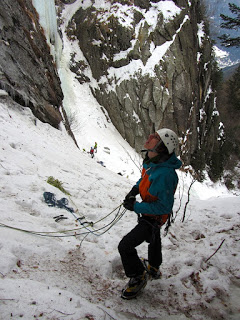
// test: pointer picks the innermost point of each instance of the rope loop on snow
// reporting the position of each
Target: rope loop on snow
(75, 232)
(51, 201)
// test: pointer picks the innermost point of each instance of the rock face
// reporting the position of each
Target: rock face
(27, 70)
(153, 68)
(151, 61)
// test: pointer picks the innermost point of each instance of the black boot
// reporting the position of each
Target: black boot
(134, 286)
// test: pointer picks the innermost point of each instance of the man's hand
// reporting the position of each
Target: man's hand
(129, 203)
(132, 193)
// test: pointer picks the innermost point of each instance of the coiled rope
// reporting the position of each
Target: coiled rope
(63, 233)
(84, 226)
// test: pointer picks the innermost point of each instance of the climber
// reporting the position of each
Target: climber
(95, 147)
(92, 152)
(156, 186)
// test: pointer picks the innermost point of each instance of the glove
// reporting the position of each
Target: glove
(134, 191)
(129, 203)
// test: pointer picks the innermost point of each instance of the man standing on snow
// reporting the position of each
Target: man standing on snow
(95, 147)
(156, 187)
(92, 152)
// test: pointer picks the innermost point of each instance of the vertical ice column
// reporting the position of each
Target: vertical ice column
(48, 20)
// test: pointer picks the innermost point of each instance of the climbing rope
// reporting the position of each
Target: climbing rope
(63, 203)
(63, 233)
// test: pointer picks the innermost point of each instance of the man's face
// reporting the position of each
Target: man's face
(152, 140)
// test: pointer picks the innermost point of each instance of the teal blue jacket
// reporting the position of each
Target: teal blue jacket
(157, 187)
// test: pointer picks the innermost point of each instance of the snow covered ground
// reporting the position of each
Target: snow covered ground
(65, 270)
(50, 276)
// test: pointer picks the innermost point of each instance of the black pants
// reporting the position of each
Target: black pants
(146, 230)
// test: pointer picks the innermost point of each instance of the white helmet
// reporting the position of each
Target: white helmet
(169, 138)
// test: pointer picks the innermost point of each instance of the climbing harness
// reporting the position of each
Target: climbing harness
(50, 199)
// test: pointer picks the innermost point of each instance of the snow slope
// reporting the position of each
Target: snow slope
(50, 276)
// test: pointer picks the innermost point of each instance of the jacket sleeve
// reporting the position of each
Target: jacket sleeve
(163, 188)
(138, 182)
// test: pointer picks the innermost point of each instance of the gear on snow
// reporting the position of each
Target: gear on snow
(50, 199)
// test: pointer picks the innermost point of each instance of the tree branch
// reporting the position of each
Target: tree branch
(188, 200)
(215, 251)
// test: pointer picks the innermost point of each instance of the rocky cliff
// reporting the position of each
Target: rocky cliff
(151, 62)
(27, 70)
(153, 65)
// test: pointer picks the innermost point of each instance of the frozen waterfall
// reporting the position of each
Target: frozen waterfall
(48, 20)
